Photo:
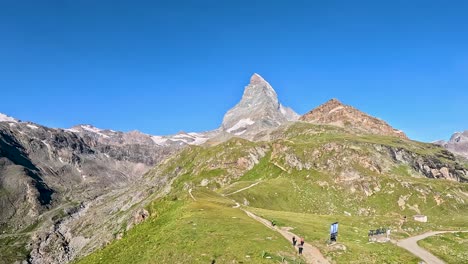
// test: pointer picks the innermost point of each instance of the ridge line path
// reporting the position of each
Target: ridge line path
(243, 189)
(411, 244)
(310, 253)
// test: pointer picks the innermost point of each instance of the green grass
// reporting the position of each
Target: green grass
(309, 192)
(13, 249)
(452, 248)
(196, 232)
(402, 170)
(352, 234)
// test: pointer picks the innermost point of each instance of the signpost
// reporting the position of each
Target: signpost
(333, 232)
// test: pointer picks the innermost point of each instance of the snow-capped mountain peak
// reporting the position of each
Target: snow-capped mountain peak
(258, 110)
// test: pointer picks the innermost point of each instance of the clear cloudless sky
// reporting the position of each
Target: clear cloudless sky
(166, 66)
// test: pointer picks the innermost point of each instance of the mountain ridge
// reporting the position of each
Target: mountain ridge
(333, 112)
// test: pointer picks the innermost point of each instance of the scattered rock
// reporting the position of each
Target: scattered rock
(337, 247)
(204, 182)
(420, 218)
(140, 216)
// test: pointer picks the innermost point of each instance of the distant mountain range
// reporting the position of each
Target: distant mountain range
(61, 179)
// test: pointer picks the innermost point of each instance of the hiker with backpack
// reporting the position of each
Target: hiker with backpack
(302, 241)
(301, 248)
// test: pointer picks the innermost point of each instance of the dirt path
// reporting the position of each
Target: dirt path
(243, 189)
(191, 195)
(310, 253)
(411, 244)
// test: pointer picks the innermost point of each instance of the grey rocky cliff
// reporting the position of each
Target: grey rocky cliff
(445, 166)
(258, 110)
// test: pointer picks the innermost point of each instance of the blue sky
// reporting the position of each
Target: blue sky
(166, 66)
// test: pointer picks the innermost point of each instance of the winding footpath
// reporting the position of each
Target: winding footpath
(310, 253)
(411, 244)
(243, 189)
(191, 195)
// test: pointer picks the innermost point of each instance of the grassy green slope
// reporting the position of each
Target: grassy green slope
(452, 248)
(301, 181)
(186, 231)
(352, 234)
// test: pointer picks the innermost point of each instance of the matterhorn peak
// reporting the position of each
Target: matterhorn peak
(259, 89)
(259, 109)
(257, 79)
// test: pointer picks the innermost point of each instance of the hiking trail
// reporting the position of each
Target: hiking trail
(310, 253)
(411, 244)
(191, 195)
(243, 189)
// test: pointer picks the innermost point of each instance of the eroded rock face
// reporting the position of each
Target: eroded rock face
(431, 167)
(45, 171)
(335, 113)
(258, 110)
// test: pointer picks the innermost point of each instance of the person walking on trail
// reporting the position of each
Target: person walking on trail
(294, 241)
(301, 248)
(302, 241)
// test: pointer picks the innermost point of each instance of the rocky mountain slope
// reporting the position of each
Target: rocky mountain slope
(305, 178)
(51, 180)
(335, 113)
(117, 138)
(258, 110)
(66, 192)
(56, 164)
(457, 144)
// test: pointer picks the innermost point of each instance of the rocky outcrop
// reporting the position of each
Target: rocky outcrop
(335, 113)
(258, 110)
(431, 166)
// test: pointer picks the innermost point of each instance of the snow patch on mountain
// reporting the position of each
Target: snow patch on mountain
(243, 123)
(159, 140)
(94, 130)
(182, 138)
(5, 118)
